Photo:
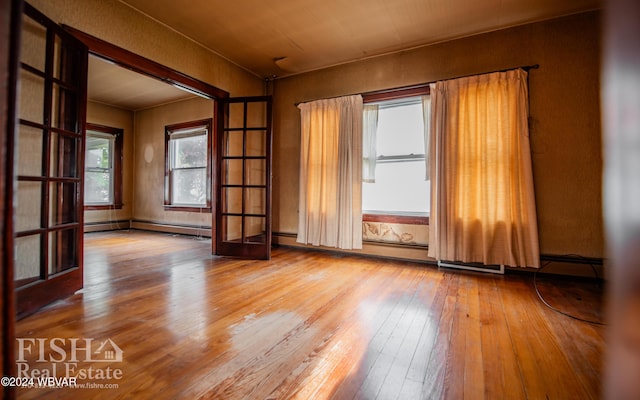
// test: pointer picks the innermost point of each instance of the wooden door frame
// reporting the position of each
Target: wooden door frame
(10, 25)
(152, 69)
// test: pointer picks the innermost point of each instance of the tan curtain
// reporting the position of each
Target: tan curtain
(330, 204)
(426, 118)
(482, 199)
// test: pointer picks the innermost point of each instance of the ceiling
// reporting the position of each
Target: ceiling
(285, 37)
(116, 86)
(281, 37)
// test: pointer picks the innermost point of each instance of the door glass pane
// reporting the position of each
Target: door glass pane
(27, 257)
(63, 156)
(28, 207)
(67, 63)
(64, 109)
(257, 143)
(62, 250)
(236, 115)
(232, 172)
(31, 97)
(63, 201)
(29, 151)
(231, 200)
(189, 186)
(256, 115)
(33, 44)
(255, 172)
(255, 201)
(231, 228)
(232, 144)
(255, 231)
(56, 57)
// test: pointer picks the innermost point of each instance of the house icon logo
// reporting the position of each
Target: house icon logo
(108, 351)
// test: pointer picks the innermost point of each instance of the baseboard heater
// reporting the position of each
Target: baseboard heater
(492, 269)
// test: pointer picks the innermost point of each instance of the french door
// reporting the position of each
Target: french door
(243, 174)
(49, 152)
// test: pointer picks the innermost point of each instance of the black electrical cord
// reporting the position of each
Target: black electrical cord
(535, 285)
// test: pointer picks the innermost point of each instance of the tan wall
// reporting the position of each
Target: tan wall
(149, 160)
(565, 115)
(123, 26)
(116, 118)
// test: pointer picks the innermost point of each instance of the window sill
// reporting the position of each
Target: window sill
(187, 208)
(396, 219)
(92, 207)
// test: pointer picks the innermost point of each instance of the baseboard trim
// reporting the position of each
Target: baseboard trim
(569, 265)
(412, 253)
(106, 226)
(192, 230)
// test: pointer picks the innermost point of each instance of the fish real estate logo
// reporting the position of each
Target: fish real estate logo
(73, 359)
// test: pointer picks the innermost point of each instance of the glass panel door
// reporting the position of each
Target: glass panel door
(52, 101)
(243, 215)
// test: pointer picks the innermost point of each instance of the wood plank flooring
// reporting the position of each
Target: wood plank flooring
(313, 325)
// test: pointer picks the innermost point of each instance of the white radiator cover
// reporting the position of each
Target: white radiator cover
(492, 269)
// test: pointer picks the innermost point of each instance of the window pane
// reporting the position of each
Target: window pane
(189, 186)
(97, 187)
(98, 152)
(189, 152)
(400, 129)
(98, 178)
(399, 187)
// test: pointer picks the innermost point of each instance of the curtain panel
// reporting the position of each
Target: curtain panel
(369, 138)
(426, 118)
(482, 197)
(330, 202)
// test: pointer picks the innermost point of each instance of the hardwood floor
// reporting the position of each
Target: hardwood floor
(312, 325)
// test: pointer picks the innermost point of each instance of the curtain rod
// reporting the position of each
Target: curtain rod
(421, 85)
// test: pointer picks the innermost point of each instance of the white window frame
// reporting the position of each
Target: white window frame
(382, 159)
(111, 169)
(174, 133)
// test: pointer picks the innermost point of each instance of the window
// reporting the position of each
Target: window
(398, 187)
(188, 166)
(103, 167)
